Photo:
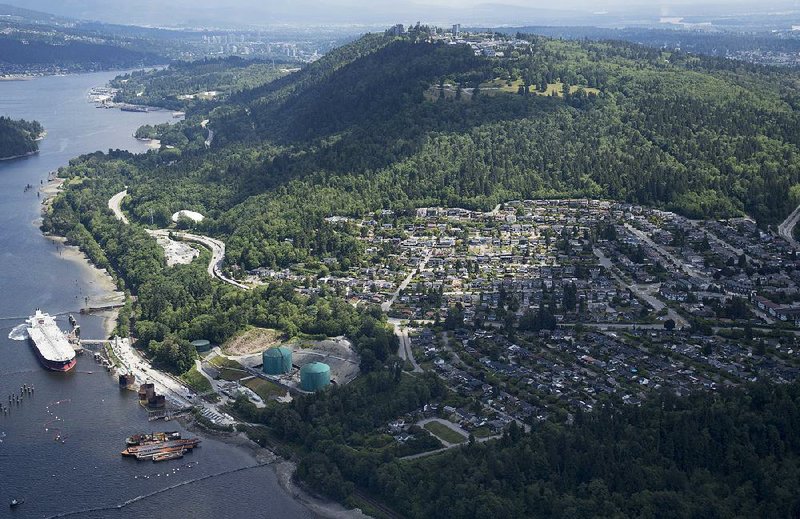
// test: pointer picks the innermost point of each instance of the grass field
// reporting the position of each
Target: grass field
(264, 388)
(500, 85)
(558, 90)
(445, 433)
(196, 381)
(512, 87)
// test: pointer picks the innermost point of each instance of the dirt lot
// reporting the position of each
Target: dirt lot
(254, 340)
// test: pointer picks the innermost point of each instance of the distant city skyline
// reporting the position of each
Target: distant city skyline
(506, 12)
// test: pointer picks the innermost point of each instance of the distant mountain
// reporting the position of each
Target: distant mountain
(14, 13)
(308, 12)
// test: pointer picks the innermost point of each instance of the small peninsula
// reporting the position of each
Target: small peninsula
(18, 138)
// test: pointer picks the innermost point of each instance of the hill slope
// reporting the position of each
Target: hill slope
(400, 123)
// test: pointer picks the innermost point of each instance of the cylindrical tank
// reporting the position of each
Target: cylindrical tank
(201, 345)
(315, 376)
(277, 361)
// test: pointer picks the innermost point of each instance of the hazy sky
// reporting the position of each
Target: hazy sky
(174, 12)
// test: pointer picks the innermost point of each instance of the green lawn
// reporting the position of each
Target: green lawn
(558, 90)
(264, 388)
(445, 433)
(482, 432)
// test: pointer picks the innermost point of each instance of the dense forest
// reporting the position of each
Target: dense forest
(18, 137)
(731, 454)
(712, 43)
(196, 85)
(73, 56)
(179, 304)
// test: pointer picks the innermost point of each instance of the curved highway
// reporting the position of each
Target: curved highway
(216, 247)
(786, 228)
(115, 204)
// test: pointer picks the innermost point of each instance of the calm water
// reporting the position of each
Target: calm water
(87, 409)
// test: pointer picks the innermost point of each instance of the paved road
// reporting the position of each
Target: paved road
(134, 363)
(786, 228)
(447, 445)
(668, 257)
(643, 292)
(713, 237)
(404, 350)
(386, 305)
(216, 247)
(115, 204)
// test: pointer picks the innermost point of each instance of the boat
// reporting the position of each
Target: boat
(16, 502)
(169, 455)
(50, 343)
(145, 452)
(144, 439)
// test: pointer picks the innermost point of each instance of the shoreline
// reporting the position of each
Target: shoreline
(284, 471)
(152, 144)
(103, 288)
(282, 468)
(29, 154)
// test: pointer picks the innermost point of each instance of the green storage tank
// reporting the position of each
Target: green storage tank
(201, 345)
(315, 376)
(277, 361)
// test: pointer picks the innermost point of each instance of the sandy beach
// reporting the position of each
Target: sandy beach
(102, 289)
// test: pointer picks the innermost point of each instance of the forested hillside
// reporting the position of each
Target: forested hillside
(18, 137)
(15, 54)
(397, 123)
(733, 454)
(196, 85)
(401, 123)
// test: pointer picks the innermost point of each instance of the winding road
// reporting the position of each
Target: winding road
(786, 228)
(216, 247)
(115, 204)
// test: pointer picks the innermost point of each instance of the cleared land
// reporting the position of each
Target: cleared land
(196, 381)
(264, 388)
(512, 87)
(337, 352)
(228, 369)
(445, 433)
(253, 340)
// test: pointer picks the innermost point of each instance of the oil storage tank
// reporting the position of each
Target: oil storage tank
(201, 345)
(277, 361)
(315, 376)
